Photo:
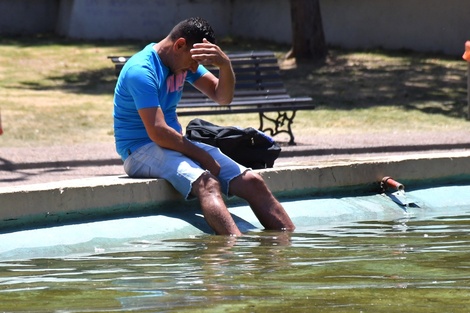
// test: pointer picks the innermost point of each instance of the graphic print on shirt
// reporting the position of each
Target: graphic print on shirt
(175, 83)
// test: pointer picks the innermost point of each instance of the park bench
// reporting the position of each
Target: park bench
(259, 89)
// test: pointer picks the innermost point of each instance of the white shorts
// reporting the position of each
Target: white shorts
(153, 161)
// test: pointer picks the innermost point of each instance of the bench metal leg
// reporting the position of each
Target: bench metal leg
(282, 120)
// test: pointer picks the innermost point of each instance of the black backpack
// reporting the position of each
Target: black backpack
(247, 146)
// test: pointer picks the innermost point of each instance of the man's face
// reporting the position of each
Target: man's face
(184, 61)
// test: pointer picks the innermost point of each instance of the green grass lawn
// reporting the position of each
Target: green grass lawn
(58, 91)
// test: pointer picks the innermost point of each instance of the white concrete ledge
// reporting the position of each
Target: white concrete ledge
(108, 197)
(368, 172)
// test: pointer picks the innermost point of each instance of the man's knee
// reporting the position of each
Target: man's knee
(253, 179)
(206, 183)
(248, 183)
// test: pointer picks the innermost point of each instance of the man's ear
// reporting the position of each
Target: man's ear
(179, 44)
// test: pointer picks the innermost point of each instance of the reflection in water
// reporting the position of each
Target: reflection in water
(407, 265)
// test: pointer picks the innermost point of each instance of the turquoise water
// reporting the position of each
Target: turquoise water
(349, 254)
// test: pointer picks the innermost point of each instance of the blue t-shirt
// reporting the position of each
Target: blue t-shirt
(145, 82)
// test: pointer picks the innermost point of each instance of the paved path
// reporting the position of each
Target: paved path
(19, 166)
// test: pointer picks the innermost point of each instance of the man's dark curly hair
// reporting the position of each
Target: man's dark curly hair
(193, 29)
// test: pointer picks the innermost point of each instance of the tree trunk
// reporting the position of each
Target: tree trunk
(308, 38)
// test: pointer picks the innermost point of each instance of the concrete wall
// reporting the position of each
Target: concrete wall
(131, 19)
(262, 19)
(27, 16)
(153, 19)
(420, 25)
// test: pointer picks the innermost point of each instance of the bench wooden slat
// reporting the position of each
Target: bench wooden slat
(194, 94)
(258, 77)
(244, 110)
(270, 68)
(249, 100)
(278, 102)
(197, 98)
(274, 88)
(251, 54)
(260, 85)
(247, 75)
(250, 62)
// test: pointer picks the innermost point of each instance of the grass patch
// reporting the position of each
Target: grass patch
(59, 91)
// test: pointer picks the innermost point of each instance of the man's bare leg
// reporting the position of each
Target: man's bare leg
(207, 189)
(251, 187)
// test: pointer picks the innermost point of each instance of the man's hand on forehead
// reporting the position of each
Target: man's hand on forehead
(207, 53)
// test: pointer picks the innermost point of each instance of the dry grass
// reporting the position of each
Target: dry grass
(55, 91)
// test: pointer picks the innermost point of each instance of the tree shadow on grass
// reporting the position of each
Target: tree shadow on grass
(92, 82)
(348, 80)
(89, 81)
